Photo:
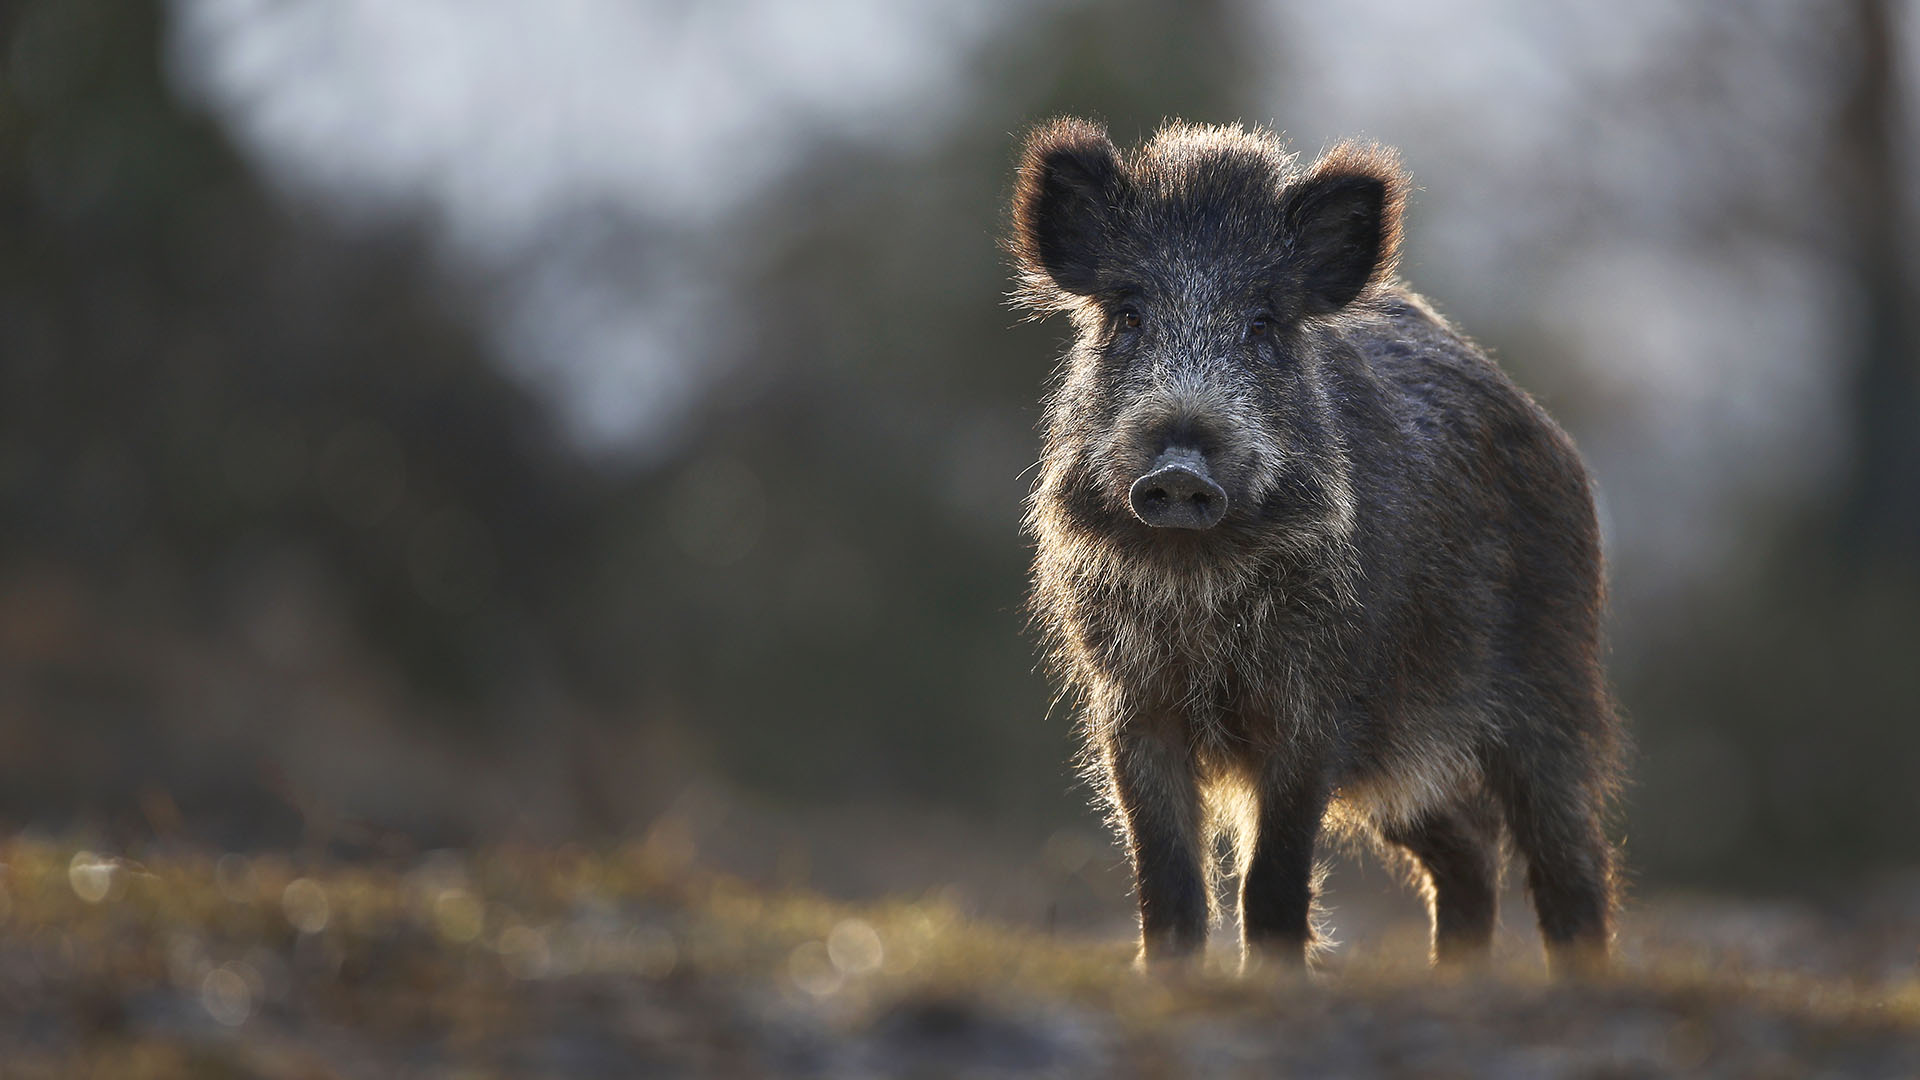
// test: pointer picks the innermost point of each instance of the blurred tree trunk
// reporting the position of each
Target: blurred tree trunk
(1880, 508)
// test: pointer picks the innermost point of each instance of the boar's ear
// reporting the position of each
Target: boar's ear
(1343, 223)
(1070, 182)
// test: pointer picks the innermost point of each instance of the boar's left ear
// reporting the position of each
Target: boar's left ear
(1343, 223)
(1069, 184)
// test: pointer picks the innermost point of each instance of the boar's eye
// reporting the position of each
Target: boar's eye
(1130, 319)
(1258, 327)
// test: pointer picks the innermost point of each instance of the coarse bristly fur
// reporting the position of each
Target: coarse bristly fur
(1394, 629)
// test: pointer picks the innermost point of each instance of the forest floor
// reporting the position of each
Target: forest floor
(526, 961)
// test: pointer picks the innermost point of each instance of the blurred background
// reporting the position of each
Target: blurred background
(469, 419)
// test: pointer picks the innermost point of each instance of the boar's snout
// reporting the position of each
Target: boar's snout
(1177, 492)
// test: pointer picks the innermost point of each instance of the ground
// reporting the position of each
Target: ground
(634, 961)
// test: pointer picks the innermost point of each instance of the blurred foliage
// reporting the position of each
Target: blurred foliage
(213, 410)
(284, 542)
(234, 430)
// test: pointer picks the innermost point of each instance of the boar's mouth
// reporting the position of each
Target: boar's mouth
(1178, 492)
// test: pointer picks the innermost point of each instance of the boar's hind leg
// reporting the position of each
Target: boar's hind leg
(1276, 887)
(1552, 805)
(1158, 804)
(1458, 852)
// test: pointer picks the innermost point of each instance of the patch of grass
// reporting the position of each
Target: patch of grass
(568, 962)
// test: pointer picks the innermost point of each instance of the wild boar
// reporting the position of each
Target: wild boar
(1306, 558)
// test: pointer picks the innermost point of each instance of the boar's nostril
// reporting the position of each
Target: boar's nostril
(1178, 495)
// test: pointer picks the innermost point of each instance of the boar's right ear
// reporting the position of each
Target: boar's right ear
(1070, 182)
(1343, 222)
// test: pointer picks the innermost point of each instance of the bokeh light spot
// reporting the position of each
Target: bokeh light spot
(91, 876)
(305, 903)
(227, 995)
(812, 969)
(458, 915)
(855, 948)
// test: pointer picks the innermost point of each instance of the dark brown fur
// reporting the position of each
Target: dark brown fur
(1395, 629)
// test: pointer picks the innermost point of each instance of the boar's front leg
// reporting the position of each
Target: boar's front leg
(1276, 884)
(1151, 772)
